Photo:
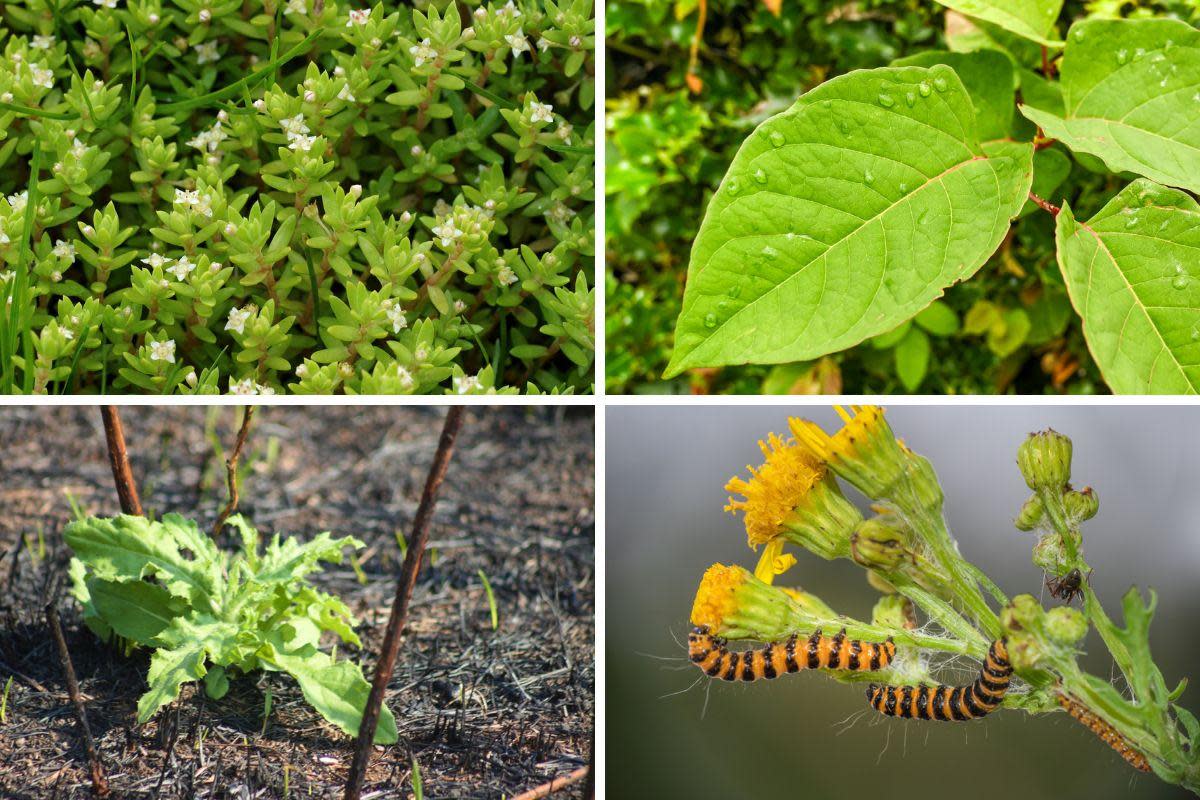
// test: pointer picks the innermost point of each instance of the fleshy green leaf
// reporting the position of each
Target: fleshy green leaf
(912, 359)
(1132, 275)
(337, 690)
(825, 232)
(989, 78)
(1032, 19)
(939, 319)
(1130, 89)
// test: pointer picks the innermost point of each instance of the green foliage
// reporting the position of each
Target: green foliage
(298, 196)
(165, 585)
(1023, 327)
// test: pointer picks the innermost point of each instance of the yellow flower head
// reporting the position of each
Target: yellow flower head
(865, 423)
(716, 598)
(775, 489)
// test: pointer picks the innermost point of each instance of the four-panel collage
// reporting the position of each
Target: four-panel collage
(339, 459)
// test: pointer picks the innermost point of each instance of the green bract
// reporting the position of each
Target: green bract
(164, 584)
(847, 216)
(298, 196)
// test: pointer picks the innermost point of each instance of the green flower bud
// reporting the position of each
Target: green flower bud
(1024, 651)
(1045, 460)
(1031, 515)
(1081, 505)
(1023, 613)
(877, 545)
(893, 611)
(1048, 553)
(1065, 625)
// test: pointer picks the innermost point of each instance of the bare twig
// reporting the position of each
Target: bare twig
(99, 783)
(231, 465)
(404, 589)
(119, 460)
(550, 787)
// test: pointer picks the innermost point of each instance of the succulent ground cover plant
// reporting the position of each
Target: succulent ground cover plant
(934, 604)
(302, 197)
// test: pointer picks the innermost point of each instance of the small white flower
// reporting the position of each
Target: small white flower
(422, 52)
(164, 283)
(417, 150)
(464, 384)
(310, 96)
(406, 216)
(222, 116)
(480, 12)
(191, 378)
(42, 42)
(56, 276)
(209, 139)
(344, 93)
(64, 250)
(87, 230)
(105, 3)
(244, 386)
(163, 351)
(7, 275)
(182, 268)
(544, 44)
(294, 126)
(339, 71)
(260, 105)
(203, 205)
(205, 15)
(460, 306)
(237, 319)
(302, 371)
(153, 18)
(345, 370)
(359, 16)
(230, 229)
(78, 149)
(18, 201)
(155, 261)
(421, 354)
(302, 142)
(518, 43)
(405, 377)
(7, 97)
(185, 198)
(42, 77)
(67, 333)
(541, 112)
(468, 34)
(564, 131)
(396, 317)
(97, 86)
(206, 52)
(447, 233)
(506, 276)
(296, 7)
(511, 9)
(575, 41)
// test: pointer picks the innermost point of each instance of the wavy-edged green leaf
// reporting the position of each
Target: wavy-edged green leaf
(989, 77)
(137, 610)
(844, 216)
(1132, 275)
(189, 645)
(287, 560)
(1131, 90)
(1032, 19)
(127, 548)
(337, 690)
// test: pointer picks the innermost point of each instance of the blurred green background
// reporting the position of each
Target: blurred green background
(804, 735)
(1010, 327)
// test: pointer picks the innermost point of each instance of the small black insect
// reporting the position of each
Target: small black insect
(1068, 587)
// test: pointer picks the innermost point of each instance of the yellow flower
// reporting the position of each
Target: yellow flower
(860, 426)
(864, 452)
(716, 598)
(775, 489)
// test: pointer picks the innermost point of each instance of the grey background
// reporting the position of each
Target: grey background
(784, 738)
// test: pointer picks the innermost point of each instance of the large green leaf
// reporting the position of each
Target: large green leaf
(1032, 19)
(127, 548)
(844, 216)
(990, 79)
(137, 610)
(1131, 90)
(336, 689)
(1132, 274)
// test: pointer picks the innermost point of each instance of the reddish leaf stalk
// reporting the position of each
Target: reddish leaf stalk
(404, 589)
(1044, 204)
(118, 459)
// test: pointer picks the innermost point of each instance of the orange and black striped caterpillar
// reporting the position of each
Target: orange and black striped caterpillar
(816, 652)
(948, 702)
(1107, 733)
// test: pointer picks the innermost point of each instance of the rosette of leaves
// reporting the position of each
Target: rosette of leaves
(164, 585)
(301, 197)
(852, 212)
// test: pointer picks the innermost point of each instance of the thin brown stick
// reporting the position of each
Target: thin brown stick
(118, 459)
(550, 787)
(99, 783)
(231, 465)
(1044, 204)
(404, 589)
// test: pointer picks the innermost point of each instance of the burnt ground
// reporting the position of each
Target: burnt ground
(484, 713)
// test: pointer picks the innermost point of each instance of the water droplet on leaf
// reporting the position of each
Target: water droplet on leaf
(776, 138)
(886, 100)
(910, 98)
(710, 320)
(1122, 56)
(770, 252)
(868, 177)
(940, 84)
(760, 176)
(924, 88)
(1180, 282)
